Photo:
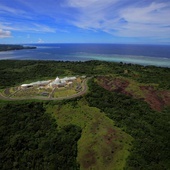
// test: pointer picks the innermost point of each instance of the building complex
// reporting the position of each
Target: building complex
(50, 83)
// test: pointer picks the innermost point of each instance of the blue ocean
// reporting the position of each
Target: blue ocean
(157, 55)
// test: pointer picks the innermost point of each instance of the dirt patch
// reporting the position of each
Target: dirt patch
(115, 84)
(112, 146)
(95, 127)
(89, 159)
(109, 146)
(166, 97)
(108, 155)
(110, 136)
(157, 99)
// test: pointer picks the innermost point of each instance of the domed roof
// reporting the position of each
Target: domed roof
(57, 80)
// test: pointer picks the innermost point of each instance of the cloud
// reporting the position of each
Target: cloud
(42, 28)
(24, 20)
(40, 40)
(123, 19)
(148, 21)
(127, 18)
(13, 11)
(92, 13)
(148, 14)
(95, 4)
(5, 34)
(28, 26)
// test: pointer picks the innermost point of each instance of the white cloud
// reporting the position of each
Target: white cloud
(24, 21)
(42, 28)
(14, 11)
(126, 20)
(40, 40)
(146, 21)
(4, 34)
(25, 27)
(90, 3)
(152, 14)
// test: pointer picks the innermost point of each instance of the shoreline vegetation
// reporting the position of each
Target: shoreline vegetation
(4, 47)
(92, 131)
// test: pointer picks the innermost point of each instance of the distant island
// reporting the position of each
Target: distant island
(4, 47)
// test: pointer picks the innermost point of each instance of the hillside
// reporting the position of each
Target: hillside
(122, 122)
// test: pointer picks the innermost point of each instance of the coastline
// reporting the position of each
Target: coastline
(158, 56)
(4, 47)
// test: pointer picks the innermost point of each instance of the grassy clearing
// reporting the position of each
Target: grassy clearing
(31, 92)
(134, 88)
(64, 92)
(102, 145)
(2, 92)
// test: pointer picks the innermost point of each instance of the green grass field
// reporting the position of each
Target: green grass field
(64, 92)
(102, 146)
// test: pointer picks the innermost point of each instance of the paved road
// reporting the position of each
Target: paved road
(82, 92)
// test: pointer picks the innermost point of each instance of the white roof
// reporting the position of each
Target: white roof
(36, 83)
(63, 81)
(24, 85)
(68, 78)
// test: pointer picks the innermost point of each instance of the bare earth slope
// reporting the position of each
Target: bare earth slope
(157, 99)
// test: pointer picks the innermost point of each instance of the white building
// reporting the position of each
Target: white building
(56, 83)
(61, 82)
(34, 84)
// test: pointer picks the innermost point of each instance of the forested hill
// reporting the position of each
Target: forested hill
(121, 123)
(30, 139)
(4, 47)
(14, 72)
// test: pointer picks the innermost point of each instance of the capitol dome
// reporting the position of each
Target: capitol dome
(57, 80)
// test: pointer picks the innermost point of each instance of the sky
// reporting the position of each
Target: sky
(85, 21)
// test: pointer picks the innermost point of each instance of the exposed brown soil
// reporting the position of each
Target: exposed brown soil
(157, 99)
(111, 148)
(111, 135)
(166, 97)
(113, 84)
(89, 159)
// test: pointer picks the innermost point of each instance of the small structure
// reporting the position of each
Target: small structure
(25, 86)
(44, 93)
(83, 77)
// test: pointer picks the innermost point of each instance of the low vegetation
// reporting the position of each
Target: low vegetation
(122, 123)
(102, 145)
(149, 128)
(30, 139)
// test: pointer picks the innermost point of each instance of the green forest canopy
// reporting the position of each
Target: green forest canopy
(26, 129)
